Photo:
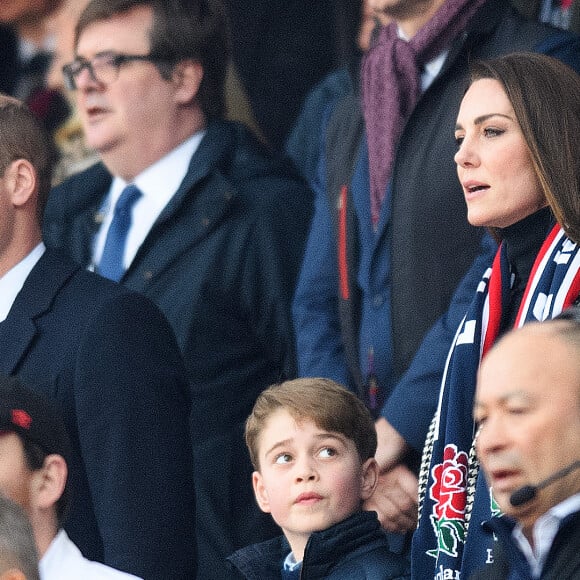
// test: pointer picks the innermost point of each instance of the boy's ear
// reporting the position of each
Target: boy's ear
(50, 482)
(260, 492)
(370, 478)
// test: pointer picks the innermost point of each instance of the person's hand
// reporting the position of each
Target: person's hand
(395, 499)
(391, 447)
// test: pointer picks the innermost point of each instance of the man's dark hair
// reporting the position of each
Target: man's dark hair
(182, 30)
(23, 137)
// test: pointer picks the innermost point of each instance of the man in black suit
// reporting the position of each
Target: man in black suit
(109, 358)
(217, 231)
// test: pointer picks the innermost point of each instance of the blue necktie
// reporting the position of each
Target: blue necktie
(111, 264)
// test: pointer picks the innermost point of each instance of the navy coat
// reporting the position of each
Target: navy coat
(109, 359)
(221, 262)
(562, 561)
(354, 549)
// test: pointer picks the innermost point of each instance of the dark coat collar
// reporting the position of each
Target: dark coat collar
(36, 297)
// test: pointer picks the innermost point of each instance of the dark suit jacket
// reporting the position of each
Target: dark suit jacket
(221, 262)
(109, 358)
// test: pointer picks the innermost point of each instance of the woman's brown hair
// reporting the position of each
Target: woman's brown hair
(545, 96)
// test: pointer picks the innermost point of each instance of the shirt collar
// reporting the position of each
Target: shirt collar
(290, 563)
(160, 181)
(432, 68)
(11, 283)
(544, 532)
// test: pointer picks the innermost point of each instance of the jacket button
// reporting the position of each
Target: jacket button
(378, 300)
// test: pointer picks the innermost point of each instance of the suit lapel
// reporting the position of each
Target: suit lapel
(18, 331)
(86, 213)
(212, 152)
(16, 334)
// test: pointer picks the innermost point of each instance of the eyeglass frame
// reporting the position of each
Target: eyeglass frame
(115, 62)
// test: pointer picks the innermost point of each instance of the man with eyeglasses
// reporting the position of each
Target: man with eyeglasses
(212, 229)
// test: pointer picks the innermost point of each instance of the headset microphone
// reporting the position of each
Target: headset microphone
(528, 492)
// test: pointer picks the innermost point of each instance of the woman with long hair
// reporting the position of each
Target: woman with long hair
(517, 160)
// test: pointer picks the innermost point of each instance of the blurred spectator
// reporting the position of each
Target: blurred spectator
(561, 13)
(18, 558)
(306, 140)
(28, 46)
(281, 50)
(60, 25)
(35, 448)
(75, 155)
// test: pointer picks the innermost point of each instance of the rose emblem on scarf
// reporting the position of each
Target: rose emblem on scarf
(449, 495)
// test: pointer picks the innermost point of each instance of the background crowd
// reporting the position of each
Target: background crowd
(201, 199)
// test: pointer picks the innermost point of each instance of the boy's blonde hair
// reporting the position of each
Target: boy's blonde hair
(327, 404)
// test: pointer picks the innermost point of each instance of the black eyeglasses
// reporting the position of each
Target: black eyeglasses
(103, 68)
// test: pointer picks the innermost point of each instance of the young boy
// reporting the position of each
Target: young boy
(312, 443)
(34, 450)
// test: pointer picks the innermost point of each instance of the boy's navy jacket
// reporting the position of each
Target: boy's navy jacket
(354, 549)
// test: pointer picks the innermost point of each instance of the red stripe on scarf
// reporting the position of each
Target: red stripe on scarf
(573, 292)
(342, 251)
(494, 294)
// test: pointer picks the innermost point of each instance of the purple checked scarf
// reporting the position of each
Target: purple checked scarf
(391, 85)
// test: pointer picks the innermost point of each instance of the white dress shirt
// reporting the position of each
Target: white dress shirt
(545, 530)
(430, 69)
(11, 283)
(64, 561)
(158, 184)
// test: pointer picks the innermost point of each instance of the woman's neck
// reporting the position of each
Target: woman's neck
(524, 239)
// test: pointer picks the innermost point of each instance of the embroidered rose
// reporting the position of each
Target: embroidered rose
(450, 484)
(448, 492)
